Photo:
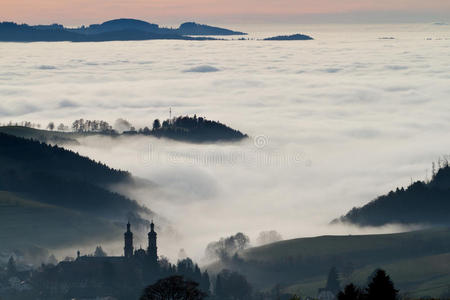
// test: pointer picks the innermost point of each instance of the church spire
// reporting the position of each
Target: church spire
(128, 236)
(152, 250)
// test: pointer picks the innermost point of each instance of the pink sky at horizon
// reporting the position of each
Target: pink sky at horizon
(72, 13)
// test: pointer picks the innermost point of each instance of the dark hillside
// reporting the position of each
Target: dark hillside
(420, 203)
(53, 175)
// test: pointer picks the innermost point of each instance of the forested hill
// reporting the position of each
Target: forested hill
(53, 175)
(420, 203)
(193, 129)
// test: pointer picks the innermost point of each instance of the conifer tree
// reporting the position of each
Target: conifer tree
(381, 287)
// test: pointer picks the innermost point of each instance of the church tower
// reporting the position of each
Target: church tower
(128, 249)
(152, 250)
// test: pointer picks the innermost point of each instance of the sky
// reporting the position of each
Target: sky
(334, 122)
(78, 12)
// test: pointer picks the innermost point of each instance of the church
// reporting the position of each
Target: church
(152, 249)
(90, 276)
(148, 258)
(117, 277)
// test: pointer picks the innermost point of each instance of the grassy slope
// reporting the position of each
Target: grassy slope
(418, 277)
(344, 245)
(419, 262)
(29, 223)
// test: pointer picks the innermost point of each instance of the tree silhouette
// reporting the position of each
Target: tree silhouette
(225, 248)
(351, 292)
(156, 124)
(381, 287)
(173, 288)
(11, 268)
(333, 284)
(232, 285)
(51, 126)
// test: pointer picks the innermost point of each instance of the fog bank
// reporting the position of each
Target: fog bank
(333, 122)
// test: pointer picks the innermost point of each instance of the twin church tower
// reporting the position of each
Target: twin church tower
(152, 249)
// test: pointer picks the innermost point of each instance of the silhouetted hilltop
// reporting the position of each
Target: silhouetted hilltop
(193, 129)
(420, 203)
(118, 25)
(55, 176)
(192, 28)
(293, 37)
(114, 30)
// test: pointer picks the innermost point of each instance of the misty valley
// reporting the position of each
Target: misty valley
(176, 162)
(61, 200)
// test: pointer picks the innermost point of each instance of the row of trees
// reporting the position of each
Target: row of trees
(379, 287)
(82, 125)
(187, 269)
(233, 286)
(229, 286)
(22, 123)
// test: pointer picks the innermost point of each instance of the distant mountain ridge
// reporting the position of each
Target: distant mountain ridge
(113, 30)
(420, 203)
(188, 28)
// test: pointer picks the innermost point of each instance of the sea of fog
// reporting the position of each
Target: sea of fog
(334, 122)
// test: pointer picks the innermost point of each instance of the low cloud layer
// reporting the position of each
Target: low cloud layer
(333, 122)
